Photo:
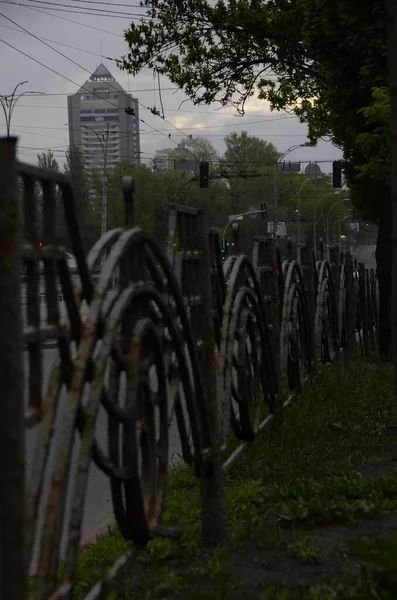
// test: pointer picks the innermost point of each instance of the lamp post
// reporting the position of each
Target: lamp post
(299, 208)
(275, 200)
(327, 222)
(237, 218)
(315, 217)
(104, 141)
(338, 223)
(9, 101)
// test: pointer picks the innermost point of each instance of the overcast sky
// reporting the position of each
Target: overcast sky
(41, 122)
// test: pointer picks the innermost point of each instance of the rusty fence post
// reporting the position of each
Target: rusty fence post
(13, 568)
(189, 254)
(267, 270)
(374, 300)
(371, 330)
(350, 317)
(305, 258)
(363, 308)
(333, 257)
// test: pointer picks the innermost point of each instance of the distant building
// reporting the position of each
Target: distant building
(162, 160)
(100, 102)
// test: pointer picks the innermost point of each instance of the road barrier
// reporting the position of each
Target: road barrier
(225, 340)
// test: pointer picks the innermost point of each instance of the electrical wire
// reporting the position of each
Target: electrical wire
(73, 82)
(108, 3)
(76, 10)
(62, 44)
(199, 127)
(43, 12)
(88, 71)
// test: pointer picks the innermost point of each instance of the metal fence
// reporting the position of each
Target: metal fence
(215, 346)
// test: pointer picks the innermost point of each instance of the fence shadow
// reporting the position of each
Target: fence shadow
(159, 337)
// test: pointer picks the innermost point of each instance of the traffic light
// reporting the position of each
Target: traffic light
(224, 250)
(40, 244)
(336, 174)
(204, 174)
(264, 210)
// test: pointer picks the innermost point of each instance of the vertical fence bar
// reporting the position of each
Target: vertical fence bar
(273, 291)
(350, 319)
(305, 257)
(13, 570)
(363, 308)
(212, 500)
(372, 280)
(370, 313)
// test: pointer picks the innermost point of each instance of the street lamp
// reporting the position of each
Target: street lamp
(238, 218)
(275, 201)
(315, 218)
(327, 222)
(338, 223)
(104, 141)
(9, 101)
(299, 208)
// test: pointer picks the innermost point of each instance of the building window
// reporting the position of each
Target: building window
(86, 112)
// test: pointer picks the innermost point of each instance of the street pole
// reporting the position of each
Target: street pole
(327, 221)
(275, 199)
(258, 212)
(9, 101)
(104, 141)
(104, 194)
(299, 209)
(315, 218)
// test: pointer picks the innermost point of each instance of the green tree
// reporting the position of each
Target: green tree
(194, 149)
(243, 150)
(327, 58)
(47, 160)
(85, 208)
(144, 195)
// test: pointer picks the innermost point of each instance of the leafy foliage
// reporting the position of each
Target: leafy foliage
(47, 160)
(375, 144)
(227, 51)
(194, 149)
(85, 210)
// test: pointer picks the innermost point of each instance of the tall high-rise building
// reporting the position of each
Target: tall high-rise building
(99, 123)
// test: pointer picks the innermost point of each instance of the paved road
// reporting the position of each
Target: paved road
(98, 513)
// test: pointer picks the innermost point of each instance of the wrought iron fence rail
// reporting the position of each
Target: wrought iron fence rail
(214, 346)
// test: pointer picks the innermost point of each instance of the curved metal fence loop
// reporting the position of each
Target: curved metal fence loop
(155, 342)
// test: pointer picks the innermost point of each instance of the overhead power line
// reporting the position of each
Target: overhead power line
(199, 127)
(71, 81)
(43, 12)
(61, 43)
(88, 71)
(100, 12)
(108, 3)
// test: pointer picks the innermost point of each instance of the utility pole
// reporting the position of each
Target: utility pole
(275, 187)
(9, 101)
(103, 138)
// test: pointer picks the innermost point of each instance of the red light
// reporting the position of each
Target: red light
(40, 244)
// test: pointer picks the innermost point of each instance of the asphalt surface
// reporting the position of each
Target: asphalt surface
(98, 511)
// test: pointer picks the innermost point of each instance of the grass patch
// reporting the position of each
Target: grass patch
(294, 502)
